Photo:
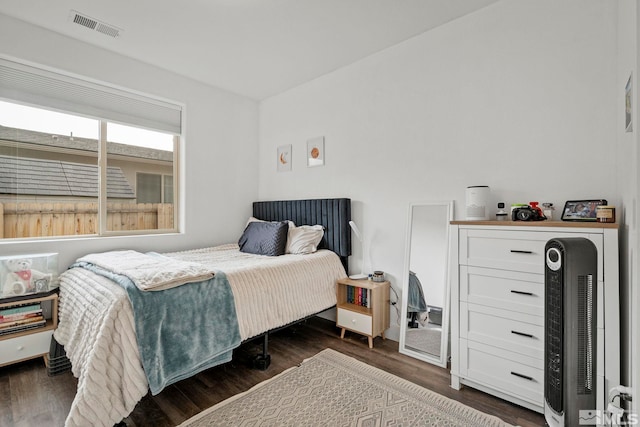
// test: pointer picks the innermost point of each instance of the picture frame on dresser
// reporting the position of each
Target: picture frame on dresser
(581, 210)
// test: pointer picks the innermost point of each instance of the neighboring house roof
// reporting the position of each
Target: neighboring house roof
(27, 176)
(83, 144)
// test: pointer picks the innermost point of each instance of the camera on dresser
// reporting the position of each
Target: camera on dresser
(530, 212)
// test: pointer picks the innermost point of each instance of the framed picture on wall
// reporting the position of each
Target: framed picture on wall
(284, 158)
(628, 118)
(315, 151)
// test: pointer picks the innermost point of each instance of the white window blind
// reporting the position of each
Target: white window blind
(48, 88)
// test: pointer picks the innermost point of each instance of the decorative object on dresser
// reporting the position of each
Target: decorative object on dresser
(363, 307)
(530, 212)
(502, 215)
(497, 310)
(311, 394)
(477, 202)
(424, 329)
(606, 213)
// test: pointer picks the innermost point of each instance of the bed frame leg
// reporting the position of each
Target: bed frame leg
(263, 360)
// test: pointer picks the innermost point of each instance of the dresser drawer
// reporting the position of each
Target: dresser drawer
(505, 371)
(521, 292)
(509, 330)
(25, 347)
(511, 250)
(353, 321)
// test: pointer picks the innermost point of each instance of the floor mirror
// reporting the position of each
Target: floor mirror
(424, 328)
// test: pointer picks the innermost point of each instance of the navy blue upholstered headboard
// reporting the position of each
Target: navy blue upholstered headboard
(333, 214)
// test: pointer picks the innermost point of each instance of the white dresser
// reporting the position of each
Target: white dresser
(497, 306)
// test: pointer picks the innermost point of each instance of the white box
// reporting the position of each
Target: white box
(28, 274)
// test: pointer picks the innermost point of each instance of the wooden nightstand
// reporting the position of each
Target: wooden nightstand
(31, 343)
(363, 307)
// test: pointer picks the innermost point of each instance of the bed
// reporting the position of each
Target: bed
(119, 354)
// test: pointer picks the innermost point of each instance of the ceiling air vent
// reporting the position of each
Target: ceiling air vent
(93, 24)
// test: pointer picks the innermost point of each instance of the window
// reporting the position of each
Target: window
(96, 166)
(149, 188)
(167, 189)
(154, 188)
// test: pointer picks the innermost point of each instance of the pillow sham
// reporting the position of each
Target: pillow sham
(264, 238)
(254, 219)
(304, 239)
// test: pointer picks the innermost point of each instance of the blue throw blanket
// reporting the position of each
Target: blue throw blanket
(183, 330)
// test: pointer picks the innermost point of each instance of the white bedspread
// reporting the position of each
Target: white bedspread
(97, 329)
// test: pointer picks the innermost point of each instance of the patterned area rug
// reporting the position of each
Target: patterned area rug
(331, 389)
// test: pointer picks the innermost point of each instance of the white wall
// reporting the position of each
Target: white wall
(520, 96)
(220, 140)
(627, 65)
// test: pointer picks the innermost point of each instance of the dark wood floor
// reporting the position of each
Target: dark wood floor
(32, 398)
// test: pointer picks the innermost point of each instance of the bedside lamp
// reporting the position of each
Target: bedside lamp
(359, 236)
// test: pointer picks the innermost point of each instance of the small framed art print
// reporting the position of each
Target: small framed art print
(284, 158)
(628, 110)
(315, 151)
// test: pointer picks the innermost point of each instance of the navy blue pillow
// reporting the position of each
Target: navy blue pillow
(264, 238)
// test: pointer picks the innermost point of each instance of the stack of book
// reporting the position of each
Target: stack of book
(359, 296)
(22, 317)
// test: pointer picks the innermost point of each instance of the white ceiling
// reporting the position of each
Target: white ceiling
(256, 48)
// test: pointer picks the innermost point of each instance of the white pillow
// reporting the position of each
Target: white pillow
(304, 239)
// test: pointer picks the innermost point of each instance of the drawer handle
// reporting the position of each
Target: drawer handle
(20, 348)
(518, 251)
(522, 334)
(526, 377)
(513, 291)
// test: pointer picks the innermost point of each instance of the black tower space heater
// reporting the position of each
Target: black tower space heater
(570, 330)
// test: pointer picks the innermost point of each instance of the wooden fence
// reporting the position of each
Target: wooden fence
(32, 219)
